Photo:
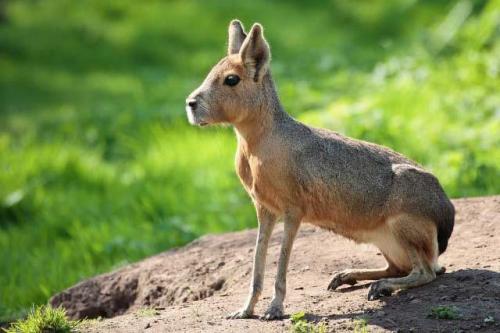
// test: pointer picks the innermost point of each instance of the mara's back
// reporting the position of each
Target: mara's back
(343, 180)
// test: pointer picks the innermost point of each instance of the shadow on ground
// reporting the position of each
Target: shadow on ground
(473, 294)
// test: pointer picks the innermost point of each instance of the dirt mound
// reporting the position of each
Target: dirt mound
(193, 288)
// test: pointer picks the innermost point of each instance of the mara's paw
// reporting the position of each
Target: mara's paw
(240, 314)
(378, 289)
(273, 313)
(341, 279)
(440, 270)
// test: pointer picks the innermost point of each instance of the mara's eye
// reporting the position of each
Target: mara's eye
(231, 80)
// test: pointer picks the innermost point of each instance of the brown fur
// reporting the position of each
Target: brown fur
(357, 189)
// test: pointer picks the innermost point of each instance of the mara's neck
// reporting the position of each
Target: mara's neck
(265, 116)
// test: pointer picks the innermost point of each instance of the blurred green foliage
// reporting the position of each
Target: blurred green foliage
(98, 167)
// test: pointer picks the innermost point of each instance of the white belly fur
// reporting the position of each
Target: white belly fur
(388, 245)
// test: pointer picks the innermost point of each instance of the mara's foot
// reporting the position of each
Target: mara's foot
(379, 289)
(340, 279)
(240, 314)
(273, 312)
(440, 270)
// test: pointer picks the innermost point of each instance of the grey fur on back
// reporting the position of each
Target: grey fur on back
(369, 179)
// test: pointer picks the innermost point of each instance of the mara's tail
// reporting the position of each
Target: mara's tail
(445, 226)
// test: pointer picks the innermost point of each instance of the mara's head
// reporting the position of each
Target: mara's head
(236, 86)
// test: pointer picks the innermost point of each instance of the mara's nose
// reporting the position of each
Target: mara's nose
(191, 103)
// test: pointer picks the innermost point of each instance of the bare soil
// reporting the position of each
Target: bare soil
(193, 288)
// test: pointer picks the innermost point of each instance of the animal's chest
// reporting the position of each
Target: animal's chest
(264, 181)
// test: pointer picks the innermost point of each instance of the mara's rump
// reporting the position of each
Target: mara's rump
(409, 209)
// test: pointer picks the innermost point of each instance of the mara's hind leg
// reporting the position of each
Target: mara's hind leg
(352, 276)
(421, 273)
(418, 239)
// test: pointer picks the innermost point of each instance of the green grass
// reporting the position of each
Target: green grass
(445, 312)
(44, 319)
(301, 325)
(98, 167)
(147, 312)
(361, 326)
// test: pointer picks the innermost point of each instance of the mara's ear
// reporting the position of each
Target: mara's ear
(255, 53)
(236, 37)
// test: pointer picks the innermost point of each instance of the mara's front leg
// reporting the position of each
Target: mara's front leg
(267, 221)
(291, 226)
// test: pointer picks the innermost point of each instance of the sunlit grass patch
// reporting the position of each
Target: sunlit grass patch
(43, 319)
(361, 325)
(300, 324)
(147, 312)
